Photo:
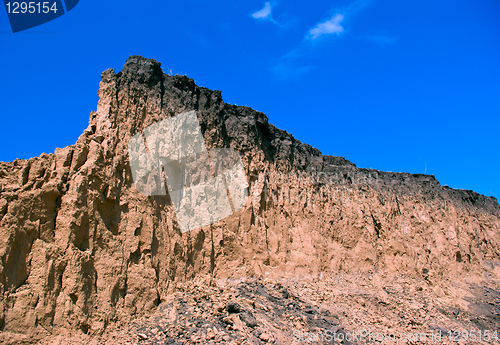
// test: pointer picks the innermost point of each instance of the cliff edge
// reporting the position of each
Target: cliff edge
(81, 249)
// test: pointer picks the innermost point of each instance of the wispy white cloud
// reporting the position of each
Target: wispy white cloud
(331, 26)
(264, 13)
(300, 59)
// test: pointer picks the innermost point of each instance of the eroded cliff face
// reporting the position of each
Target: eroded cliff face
(81, 248)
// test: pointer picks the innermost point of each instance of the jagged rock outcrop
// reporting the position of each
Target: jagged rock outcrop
(81, 248)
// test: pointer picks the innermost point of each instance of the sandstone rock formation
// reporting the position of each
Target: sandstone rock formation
(81, 249)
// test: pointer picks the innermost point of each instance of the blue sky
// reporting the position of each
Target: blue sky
(406, 86)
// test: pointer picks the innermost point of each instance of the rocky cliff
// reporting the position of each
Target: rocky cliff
(82, 249)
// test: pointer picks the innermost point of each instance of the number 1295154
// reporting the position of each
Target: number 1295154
(472, 335)
(31, 7)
